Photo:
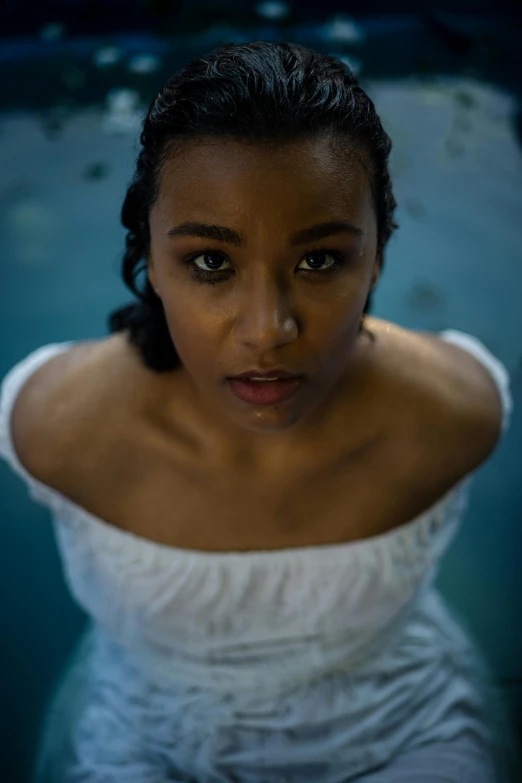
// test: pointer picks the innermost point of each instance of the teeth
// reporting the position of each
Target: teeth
(263, 379)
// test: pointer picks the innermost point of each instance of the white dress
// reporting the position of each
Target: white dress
(327, 663)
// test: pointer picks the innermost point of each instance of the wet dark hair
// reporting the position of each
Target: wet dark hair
(260, 92)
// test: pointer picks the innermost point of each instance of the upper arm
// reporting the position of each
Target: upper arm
(480, 415)
(473, 405)
(33, 416)
(42, 417)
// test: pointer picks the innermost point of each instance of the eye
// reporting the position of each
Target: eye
(212, 271)
(213, 266)
(337, 260)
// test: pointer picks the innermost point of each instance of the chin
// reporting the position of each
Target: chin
(270, 419)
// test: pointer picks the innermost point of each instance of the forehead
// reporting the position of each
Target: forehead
(305, 177)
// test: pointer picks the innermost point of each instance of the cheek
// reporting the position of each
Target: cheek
(337, 316)
(196, 330)
(333, 332)
(336, 336)
(201, 327)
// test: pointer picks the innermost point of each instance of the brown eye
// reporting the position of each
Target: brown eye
(213, 272)
(213, 266)
(320, 254)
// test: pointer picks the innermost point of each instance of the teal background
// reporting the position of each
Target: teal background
(455, 262)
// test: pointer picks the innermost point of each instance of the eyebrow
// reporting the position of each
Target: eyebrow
(228, 235)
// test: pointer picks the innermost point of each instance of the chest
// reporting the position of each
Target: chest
(138, 489)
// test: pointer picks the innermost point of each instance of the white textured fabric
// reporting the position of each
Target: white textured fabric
(320, 663)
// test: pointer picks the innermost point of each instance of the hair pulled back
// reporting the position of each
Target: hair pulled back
(264, 92)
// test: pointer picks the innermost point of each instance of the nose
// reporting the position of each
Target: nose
(266, 320)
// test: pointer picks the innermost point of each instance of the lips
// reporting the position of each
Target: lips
(277, 373)
(265, 392)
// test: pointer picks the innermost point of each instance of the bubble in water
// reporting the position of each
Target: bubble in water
(274, 10)
(107, 55)
(343, 29)
(144, 63)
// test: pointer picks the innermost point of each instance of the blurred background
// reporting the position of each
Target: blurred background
(75, 79)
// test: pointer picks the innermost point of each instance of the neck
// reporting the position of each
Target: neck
(224, 441)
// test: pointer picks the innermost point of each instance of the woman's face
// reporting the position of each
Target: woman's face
(259, 293)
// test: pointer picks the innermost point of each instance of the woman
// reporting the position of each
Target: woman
(252, 480)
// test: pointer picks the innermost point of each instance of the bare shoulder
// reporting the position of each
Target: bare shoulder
(448, 396)
(63, 399)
